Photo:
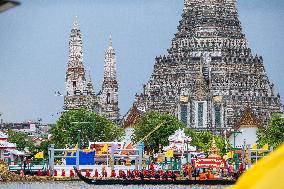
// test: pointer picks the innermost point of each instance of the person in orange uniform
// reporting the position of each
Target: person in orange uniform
(202, 176)
(210, 175)
(189, 170)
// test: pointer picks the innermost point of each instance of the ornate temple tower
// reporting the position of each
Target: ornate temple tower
(79, 91)
(209, 74)
(109, 93)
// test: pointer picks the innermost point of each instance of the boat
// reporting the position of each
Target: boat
(151, 182)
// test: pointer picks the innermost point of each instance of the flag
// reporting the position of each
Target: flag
(254, 147)
(74, 150)
(66, 147)
(266, 173)
(200, 155)
(39, 155)
(230, 155)
(169, 153)
(105, 148)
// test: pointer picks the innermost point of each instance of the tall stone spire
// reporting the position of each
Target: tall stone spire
(89, 85)
(76, 84)
(75, 74)
(110, 62)
(109, 95)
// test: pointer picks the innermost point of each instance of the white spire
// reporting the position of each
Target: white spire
(110, 43)
(76, 23)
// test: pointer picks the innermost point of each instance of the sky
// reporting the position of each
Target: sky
(34, 47)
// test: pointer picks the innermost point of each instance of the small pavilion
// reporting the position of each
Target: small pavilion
(245, 129)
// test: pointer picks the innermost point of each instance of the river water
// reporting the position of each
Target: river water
(82, 185)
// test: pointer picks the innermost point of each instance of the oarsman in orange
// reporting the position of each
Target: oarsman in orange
(210, 175)
(189, 170)
(202, 176)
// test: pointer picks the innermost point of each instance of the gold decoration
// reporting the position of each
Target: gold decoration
(248, 120)
(214, 151)
(132, 118)
(183, 99)
(128, 161)
(200, 91)
(218, 99)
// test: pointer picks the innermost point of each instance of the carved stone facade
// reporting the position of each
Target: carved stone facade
(79, 90)
(209, 75)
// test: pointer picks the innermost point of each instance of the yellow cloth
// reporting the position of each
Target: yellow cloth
(265, 174)
(263, 148)
(86, 150)
(105, 148)
(169, 153)
(39, 155)
(254, 147)
(74, 150)
(230, 155)
(66, 147)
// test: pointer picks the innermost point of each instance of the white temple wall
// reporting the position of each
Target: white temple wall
(248, 135)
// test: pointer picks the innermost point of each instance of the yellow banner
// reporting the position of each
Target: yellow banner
(169, 154)
(39, 155)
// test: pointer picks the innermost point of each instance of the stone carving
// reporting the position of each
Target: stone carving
(209, 57)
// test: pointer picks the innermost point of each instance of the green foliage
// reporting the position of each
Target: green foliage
(21, 139)
(203, 140)
(273, 134)
(83, 125)
(148, 122)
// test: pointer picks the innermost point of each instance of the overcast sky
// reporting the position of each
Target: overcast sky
(34, 47)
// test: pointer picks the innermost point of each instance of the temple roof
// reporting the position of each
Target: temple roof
(132, 117)
(248, 120)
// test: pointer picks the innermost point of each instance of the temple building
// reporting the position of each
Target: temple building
(209, 75)
(80, 92)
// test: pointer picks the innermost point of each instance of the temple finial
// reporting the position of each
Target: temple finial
(110, 41)
(76, 23)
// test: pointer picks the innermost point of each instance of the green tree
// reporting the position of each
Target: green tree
(203, 140)
(22, 140)
(273, 134)
(83, 125)
(148, 122)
